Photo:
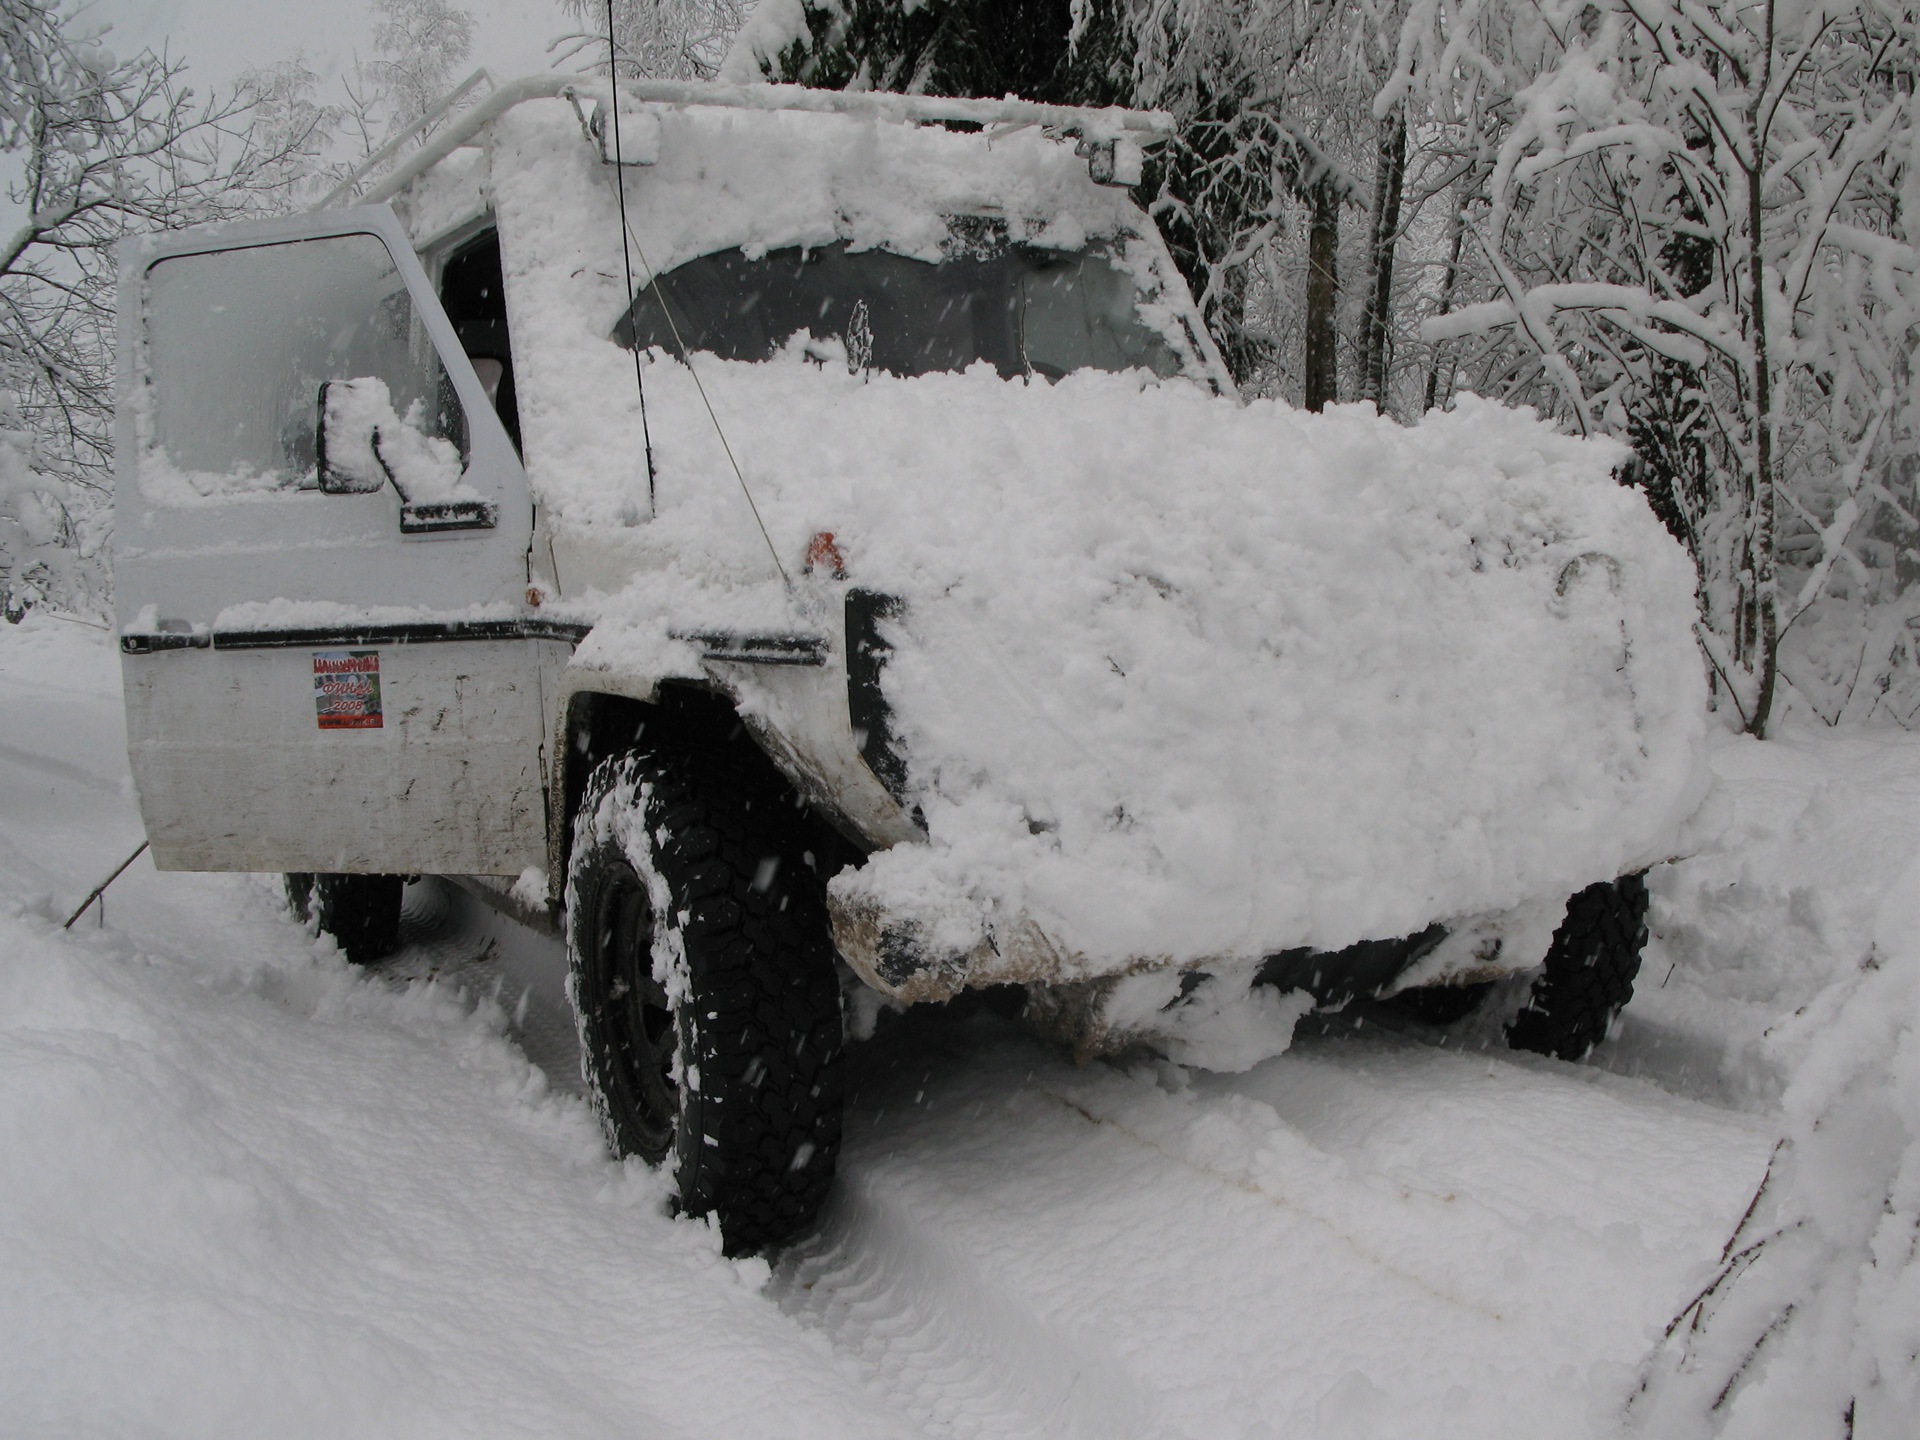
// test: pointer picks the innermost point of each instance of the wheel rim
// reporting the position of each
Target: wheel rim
(640, 1037)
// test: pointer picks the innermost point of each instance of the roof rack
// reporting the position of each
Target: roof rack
(1144, 127)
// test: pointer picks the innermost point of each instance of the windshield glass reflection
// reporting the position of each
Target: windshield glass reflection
(1022, 309)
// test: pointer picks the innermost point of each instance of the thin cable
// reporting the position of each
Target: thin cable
(620, 179)
(653, 279)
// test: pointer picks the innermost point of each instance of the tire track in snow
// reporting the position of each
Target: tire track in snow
(450, 937)
(956, 1354)
(1249, 1181)
(1021, 1247)
(934, 1326)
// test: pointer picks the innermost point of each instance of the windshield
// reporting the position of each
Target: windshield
(1022, 309)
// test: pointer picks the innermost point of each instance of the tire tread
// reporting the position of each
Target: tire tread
(1588, 975)
(757, 1142)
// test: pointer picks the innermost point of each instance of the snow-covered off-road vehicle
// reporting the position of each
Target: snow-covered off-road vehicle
(779, 537)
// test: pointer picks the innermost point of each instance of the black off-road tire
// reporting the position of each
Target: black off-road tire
(703, 980)
(1588, 975)
(361, 912)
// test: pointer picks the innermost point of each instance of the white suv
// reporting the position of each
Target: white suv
(781, 526)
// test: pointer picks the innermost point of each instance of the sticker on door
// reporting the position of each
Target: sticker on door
(346, 689)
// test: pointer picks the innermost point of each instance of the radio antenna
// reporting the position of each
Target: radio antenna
(629, 242)
(626, 254)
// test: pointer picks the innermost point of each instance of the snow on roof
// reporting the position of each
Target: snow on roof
(754, 180)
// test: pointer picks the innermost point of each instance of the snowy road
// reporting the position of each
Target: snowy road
(250, 1191)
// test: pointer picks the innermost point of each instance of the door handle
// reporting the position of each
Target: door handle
(430, 517)
(165, 635)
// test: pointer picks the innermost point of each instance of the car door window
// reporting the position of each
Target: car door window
(239, 343)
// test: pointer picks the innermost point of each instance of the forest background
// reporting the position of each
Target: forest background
(1684, 226)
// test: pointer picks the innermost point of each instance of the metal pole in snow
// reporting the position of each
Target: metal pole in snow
(101, 888)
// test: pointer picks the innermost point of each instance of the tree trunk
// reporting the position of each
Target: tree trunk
(1760, 507)
(1464, 196)
(1760, 515)
(1322, 381)
(1389, 179)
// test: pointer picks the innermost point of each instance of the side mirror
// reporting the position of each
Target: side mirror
(343, 438)
(360, 444)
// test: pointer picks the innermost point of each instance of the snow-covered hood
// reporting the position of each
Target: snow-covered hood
(1176, 678)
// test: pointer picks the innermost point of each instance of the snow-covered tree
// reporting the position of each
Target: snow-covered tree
(420, 48)
(656, 39)
(420, 52)
(1694, 235)
(1261, 92)
(1053, 50)
(97, 147)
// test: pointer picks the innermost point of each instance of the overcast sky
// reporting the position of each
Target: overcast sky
(220, 38)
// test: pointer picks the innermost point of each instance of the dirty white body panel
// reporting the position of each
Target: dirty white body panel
(233, 773)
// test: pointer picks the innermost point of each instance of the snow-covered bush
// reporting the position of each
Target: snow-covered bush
(1694, 235)
(97, 147)
(43, 553)
(1810, 1326)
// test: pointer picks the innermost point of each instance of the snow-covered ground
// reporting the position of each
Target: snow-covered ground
(247, 1190)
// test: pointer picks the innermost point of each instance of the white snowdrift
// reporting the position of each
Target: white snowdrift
(1181, 678)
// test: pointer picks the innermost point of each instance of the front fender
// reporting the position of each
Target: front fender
(789, 691)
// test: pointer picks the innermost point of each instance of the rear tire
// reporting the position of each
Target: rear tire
(1580, 988)
(361, 912)
(1588, 975)
(705, 990)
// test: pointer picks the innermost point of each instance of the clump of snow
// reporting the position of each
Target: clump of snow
(1225, 1023)
(164, 483)
(531, 888)
(369, 442)
(770, 27)
(446, 196)
(284, 614)
(1514, 939)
